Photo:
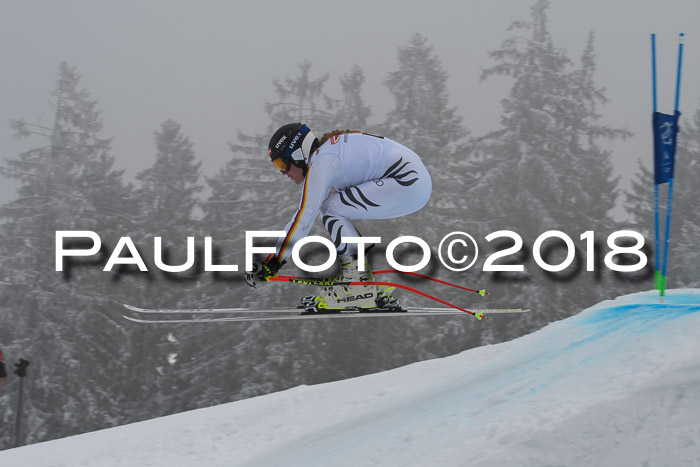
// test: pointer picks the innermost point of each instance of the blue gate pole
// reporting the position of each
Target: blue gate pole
(681, 39)
(657, 263)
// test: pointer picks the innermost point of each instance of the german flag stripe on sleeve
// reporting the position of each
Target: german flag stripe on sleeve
(295, 224)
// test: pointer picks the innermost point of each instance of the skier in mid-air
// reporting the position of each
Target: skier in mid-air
(347, 175)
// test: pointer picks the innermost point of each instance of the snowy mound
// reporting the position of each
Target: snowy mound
(616, 385)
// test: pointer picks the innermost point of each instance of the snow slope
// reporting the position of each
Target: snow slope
(616, 385)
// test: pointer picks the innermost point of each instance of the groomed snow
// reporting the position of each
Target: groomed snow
(616, 385)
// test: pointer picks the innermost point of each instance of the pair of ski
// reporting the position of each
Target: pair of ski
(281, 314)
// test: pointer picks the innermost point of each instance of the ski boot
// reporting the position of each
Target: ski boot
(338, 298)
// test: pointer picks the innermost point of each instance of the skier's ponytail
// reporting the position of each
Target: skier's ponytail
(333, 133)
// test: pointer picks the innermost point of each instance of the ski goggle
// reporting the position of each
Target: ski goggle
(281, 165)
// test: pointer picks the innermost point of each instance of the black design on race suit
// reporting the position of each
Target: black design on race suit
(348, 198)
(395, 172)
(329, 222)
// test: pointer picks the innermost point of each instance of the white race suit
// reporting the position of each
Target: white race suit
(356, 176)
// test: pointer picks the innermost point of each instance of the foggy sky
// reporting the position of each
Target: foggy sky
(209, 64)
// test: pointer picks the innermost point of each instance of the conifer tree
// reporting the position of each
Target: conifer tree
(300, 99)
(545, 167)
(547, 157)
(169, 189)
(421, 118)
(168, 195)
(351, 112)
(60, 319)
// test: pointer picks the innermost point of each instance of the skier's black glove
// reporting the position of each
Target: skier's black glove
(262, 272)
